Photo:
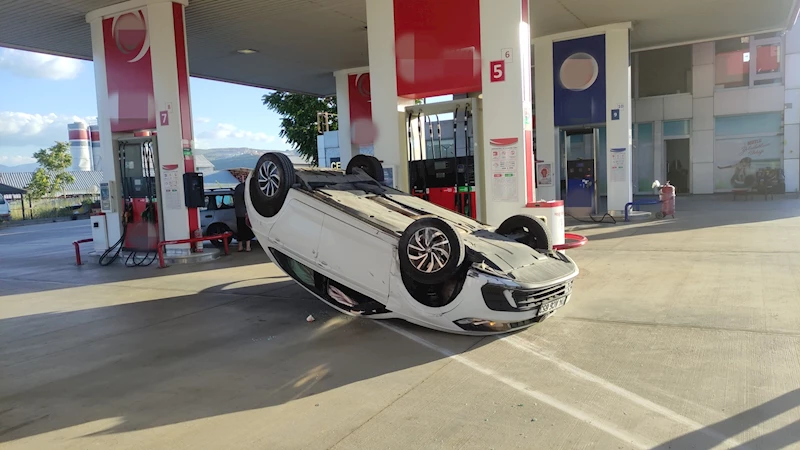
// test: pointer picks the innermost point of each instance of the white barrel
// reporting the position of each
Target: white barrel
(79, 147)
(552, 213)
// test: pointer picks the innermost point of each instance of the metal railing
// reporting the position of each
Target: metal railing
(572, 241)
(77, 245)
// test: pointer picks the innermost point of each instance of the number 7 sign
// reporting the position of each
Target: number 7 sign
(164, 118)
(497, 71)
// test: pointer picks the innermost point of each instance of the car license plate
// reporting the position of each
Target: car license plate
(552, 305)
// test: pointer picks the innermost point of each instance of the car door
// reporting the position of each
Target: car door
(296, 231)
(355, 255)
(207, 213)
(226, 212)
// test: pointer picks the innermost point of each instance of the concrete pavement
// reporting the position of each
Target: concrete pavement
(682, 334)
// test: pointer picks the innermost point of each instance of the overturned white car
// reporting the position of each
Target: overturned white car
(373, 251)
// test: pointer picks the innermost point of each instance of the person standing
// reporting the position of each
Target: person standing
(243, 232)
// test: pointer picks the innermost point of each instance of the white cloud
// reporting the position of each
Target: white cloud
(226, 131)
(39, 130)
(38, 65)
(202, 120)
(15, 160)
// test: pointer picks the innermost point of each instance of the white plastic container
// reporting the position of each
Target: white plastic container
(552, 213)
(99, 232)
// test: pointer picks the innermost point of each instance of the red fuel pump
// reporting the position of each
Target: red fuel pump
(445, 177)
(137, 164)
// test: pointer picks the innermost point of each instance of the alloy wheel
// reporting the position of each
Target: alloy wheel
(429, 250)
(269, 180)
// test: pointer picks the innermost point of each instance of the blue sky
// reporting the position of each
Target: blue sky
(41, 94)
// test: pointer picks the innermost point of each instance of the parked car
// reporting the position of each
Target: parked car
(218, 216)
(5, 210)
(370, 250)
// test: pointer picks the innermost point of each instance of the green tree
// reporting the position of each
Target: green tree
(39, 185)
(52, 175)
(299, 119)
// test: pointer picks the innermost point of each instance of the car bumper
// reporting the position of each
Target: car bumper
(475, 309)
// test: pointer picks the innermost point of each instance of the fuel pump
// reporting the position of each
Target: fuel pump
(137, 159)
(581, 187)
(581, 183)
(137, 172)
(438, 174)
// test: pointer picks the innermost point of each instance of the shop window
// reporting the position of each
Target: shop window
(644, 157)
(748, 125)
(748, 61)
(676, 128)
(747, 149)
(664, 71)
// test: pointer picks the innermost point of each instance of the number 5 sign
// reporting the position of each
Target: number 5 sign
(497, 71)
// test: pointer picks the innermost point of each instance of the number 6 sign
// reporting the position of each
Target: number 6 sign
(497, 71)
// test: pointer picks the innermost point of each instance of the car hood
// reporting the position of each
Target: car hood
(518, 261)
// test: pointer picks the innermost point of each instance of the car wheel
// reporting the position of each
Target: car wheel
(369, 164)
(527, 230)
(430, 251)
(218, 228)
(271, 181)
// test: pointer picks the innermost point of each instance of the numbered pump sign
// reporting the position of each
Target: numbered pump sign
(498, 71)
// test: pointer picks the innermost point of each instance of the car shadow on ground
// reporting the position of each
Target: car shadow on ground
(161, 362)
(703, 439)
(34, 274)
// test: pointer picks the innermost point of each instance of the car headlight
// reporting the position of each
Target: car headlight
(473, 324)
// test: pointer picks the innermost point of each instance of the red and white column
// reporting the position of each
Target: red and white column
(507, 108)
(426, 48)
(357, 130)
(142, 82)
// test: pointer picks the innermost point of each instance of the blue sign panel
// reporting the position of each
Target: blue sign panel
(579, 81)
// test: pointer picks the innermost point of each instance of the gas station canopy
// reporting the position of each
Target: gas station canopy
(298, 44)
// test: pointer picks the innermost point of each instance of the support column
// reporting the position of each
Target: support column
(605, 100)
(108, 160)
(546, 134)
(142, 82)
(387, 108)
(354, 112)
(618, 119)
(343, 116)
(702, 151)
(791, 119)
(507, 109)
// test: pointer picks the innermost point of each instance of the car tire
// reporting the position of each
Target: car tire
(369, 164)
(536, 234)
(430, 251)
(273, 177)
(218, 228)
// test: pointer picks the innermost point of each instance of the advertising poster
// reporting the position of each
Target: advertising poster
(170, 185)
(504, 169)
(618, 166)
(544, 174)
(737, 161)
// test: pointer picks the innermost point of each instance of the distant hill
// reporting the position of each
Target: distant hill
(234, 158)
(31, 167)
